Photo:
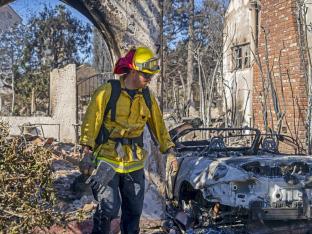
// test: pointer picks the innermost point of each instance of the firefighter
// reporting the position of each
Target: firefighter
(112, 131)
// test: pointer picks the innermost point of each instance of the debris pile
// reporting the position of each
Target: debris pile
(42, 190)
(27, 196)
(36, 176)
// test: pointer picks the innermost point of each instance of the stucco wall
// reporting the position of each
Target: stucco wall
(63, 105)
(309, 22)
(239, 28)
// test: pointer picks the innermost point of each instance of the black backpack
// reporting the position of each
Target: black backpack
(111, 105)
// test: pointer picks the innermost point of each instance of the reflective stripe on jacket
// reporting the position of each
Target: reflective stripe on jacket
(131, 118)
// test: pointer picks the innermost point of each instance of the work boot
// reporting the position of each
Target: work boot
(101, 223)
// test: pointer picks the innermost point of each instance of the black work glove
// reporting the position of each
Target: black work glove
(101, 176)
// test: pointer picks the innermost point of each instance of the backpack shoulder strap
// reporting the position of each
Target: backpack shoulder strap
(111, 105)
(147, 98)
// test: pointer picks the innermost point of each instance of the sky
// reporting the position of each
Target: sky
(26, 8)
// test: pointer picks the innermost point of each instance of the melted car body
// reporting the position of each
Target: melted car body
(240, 177)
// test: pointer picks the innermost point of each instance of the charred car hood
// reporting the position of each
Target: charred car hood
(249, 167)
(243, 180)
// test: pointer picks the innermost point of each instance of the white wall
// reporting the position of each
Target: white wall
(63, 104)
(239, 28)
(309, 22)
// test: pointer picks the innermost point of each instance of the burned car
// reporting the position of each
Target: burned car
(241, 179)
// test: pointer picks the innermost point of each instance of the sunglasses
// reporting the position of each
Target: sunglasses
(146, 75)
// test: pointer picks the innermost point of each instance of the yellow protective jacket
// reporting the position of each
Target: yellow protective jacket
(131, 118)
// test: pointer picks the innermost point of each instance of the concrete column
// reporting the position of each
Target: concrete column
(63, 100)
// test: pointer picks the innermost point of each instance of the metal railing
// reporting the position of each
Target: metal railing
(85, 89)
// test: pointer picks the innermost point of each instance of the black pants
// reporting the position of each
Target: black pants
(131, 188)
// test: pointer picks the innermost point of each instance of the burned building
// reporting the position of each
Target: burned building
(8, 18)
(267, 65)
